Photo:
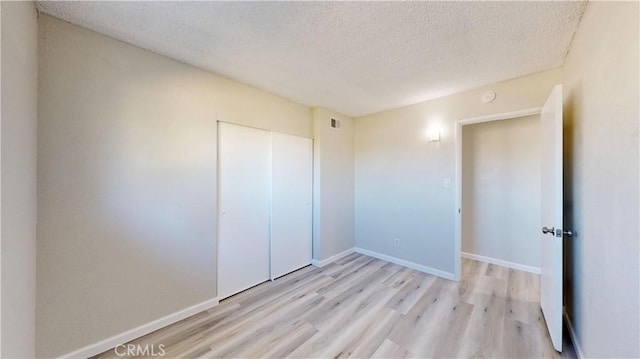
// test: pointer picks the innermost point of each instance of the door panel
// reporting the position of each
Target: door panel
(551, 216)
(291, 194)
(244, 190)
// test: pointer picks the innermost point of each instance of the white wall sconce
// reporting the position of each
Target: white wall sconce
(434, 134)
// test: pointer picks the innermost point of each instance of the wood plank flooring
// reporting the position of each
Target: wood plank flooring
(363, 307)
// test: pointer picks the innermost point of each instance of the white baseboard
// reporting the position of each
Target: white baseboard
(500, 262)
(404, 263)
(572, 336)
(333, 258)
(125, 337)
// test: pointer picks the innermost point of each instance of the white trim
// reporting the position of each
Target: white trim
(335, 257)
(404, 263)
(271, 276)
(501, 116)
(573, 337)
(125, 337)
(458, 138)
(501, 262)
(1, 180)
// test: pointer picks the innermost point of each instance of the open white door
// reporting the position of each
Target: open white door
(551, 216)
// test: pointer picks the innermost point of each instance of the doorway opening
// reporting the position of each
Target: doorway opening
(497, 190)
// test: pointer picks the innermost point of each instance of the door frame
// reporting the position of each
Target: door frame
(218, 191)
(458, 180)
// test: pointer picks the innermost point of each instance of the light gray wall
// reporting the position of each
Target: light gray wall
(19, 72)
(333, 184)
(501, 190)
(400, 175)
(601, 181)
(127, 182)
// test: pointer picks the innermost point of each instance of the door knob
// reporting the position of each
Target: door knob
(557, 232)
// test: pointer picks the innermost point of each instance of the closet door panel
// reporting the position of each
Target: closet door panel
(291, 195)
(244, 162)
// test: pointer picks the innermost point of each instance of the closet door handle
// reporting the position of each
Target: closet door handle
(546, 230)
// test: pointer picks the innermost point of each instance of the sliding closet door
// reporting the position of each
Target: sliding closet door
(291, 193)
(244, 161)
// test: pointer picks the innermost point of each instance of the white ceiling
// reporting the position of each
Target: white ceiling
(353, 57)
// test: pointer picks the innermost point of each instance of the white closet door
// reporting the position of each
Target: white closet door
(244, 161)
(291, 193)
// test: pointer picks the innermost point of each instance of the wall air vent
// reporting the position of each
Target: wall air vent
(335, 124)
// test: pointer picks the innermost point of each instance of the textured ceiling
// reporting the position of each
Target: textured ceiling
(354, 57)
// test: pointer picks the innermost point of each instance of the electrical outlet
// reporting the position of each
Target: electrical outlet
(396, 242)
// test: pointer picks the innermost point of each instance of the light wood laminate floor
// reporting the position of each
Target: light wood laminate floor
(363, 307)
